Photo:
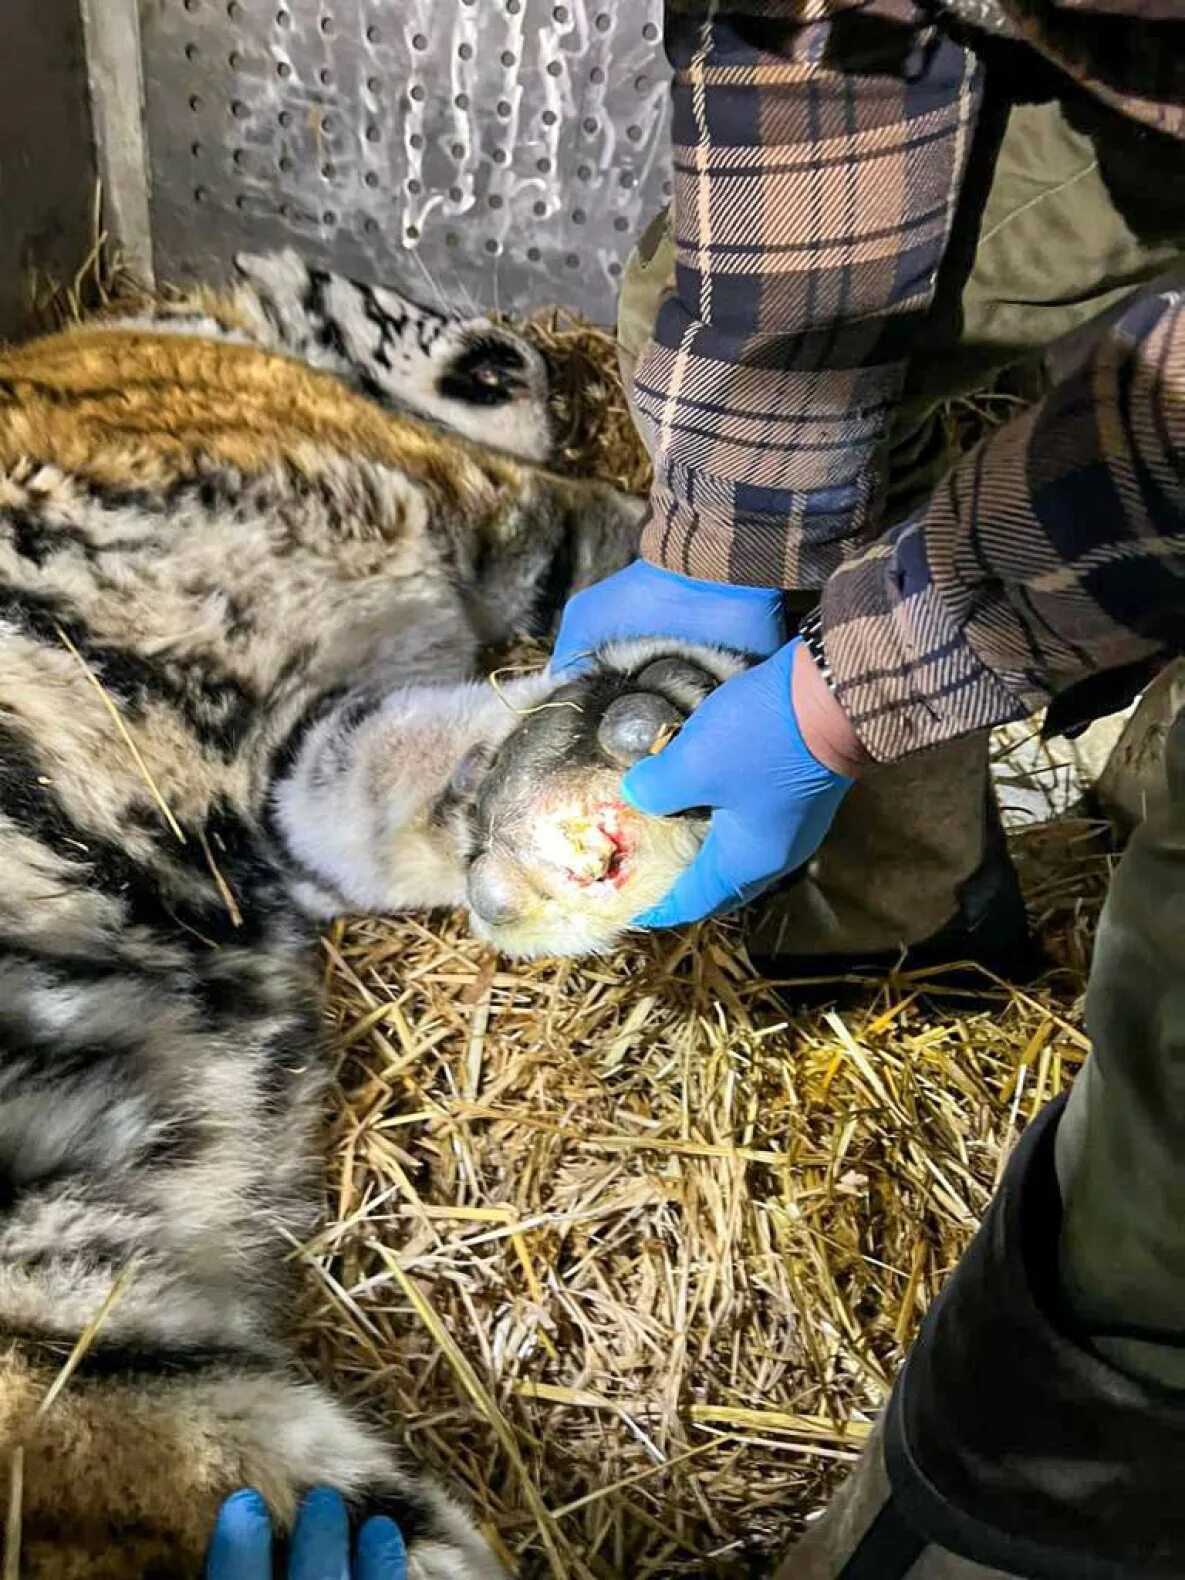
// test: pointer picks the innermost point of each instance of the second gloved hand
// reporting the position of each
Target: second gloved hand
(241, 1544)
(741, 754)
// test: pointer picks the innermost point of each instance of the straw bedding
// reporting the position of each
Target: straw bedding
(621, 1248)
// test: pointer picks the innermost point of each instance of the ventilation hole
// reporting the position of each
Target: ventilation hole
(326, 25)
(325, 77)
(642, 84)
(666, 189)
(503, 108)
(462, 101)
(285, 117)
(590, 125)
(554, 68)
(615, 269)
(549, 117)
(373, 135)
(584, 172)
(234, 10)
(621, 223)
(508, 58)
(597, 76)
(458, 150)
(495, 200)
(286, 211)
(603, 22)
(286, 164)
(373, 36)
(241, 201)
(634, 133)
(239, 158)
(559, 14)
(650, 32)
(451, 239)
(465, 51)
(493, 246)
(416, 141)
(578, 216)
(513, 7)
(370, 226)
(283, 18)
(499, 156)
(200, 194)
(415, 187)
(419, 41)
(627, 178)
(371, 178)
(195, 104)
(283, 69)
(328, 170)
(455, 194)
(329, 217)
(533, 255)
(373, 86)
(328, 124)
(417, 94)
(543, 166)
(192, 52)
(572, 261)
(539, 210)
(191, 5)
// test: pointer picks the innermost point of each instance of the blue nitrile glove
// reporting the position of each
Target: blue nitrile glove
(643, 600)
(241, 1546)
(741, 754)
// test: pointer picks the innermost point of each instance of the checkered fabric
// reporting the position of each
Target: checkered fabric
(1054, 551)
(819, 151)
(817, 168)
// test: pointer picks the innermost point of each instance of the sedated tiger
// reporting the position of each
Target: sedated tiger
(250, 551)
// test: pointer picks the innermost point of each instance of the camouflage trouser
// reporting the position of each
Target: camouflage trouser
(1066, 210)
(1119, 1252)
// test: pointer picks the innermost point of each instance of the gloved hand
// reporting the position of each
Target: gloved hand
(241, 1546)
(741, 753)
(643, 600)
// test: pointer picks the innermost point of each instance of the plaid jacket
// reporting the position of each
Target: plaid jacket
(1053, 551)
(817, 168)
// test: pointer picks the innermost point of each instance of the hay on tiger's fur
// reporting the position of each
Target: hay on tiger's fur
(619, 1247)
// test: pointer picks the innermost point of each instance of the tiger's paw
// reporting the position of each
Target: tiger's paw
(557, 861)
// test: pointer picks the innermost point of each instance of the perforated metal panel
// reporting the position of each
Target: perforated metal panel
(510, 148)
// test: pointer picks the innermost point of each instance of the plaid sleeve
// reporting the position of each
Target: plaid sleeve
(1055, 551)
(817, 167)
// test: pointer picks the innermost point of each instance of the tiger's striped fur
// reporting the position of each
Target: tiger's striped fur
(209, 547)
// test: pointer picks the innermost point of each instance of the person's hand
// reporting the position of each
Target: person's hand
(643, 600)
(742, 755)
(241, 1546)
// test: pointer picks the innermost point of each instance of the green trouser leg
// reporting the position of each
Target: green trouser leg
(1066, 211)
(1121, 1142)
(1119, 1151)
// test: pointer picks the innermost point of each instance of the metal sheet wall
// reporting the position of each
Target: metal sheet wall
(47, 169)
(510, 150)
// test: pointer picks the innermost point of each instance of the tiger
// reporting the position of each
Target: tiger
(253, 546)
